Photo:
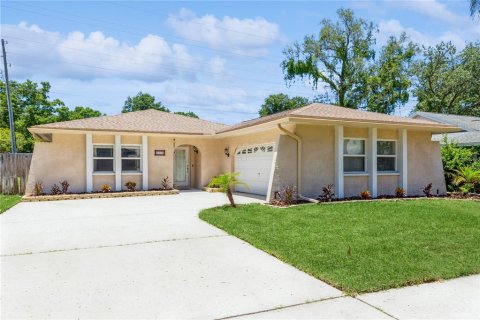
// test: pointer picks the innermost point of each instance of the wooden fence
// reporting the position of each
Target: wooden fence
(14, 168)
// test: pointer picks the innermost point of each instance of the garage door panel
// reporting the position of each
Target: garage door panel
(254, 164)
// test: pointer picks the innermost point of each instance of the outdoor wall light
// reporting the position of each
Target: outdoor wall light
(226, 152)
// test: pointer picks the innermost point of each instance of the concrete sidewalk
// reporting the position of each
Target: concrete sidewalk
(451, 299)
(152, 257)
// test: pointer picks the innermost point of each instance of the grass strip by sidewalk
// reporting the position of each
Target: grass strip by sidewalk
(364, 247)
(6, 202)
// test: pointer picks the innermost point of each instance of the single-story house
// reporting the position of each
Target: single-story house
(308, 147)
(470, 134)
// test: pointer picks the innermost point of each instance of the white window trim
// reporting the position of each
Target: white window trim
(97, 173)
(132, 158)
(364, 155)
(388, 156)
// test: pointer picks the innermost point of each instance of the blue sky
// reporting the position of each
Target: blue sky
(218, 59)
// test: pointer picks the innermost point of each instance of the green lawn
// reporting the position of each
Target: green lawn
(364, 246)
(6, 202)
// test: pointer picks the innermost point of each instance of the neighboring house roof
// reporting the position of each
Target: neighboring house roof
(154, 121)
(330, 112)
(150, 121)
(471, 126)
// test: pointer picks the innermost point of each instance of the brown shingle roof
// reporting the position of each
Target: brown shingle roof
(152, 121)
(331, 112)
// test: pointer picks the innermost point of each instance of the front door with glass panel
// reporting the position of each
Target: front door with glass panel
(180, 168)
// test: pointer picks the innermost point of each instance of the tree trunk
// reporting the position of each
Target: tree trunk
(230, 198)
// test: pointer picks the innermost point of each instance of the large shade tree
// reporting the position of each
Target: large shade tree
(447, 81)
(281, 102)
(142, 101)
(32, 105)
(336, 58)
(344, 61)
(389, 78)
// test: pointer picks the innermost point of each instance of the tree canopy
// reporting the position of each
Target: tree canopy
(188, 114)
(389, 78)
(343, 59)
(475, 8)
(337, 58)
(143, 101)
(32, 105)
(447, 81)
(280, 102)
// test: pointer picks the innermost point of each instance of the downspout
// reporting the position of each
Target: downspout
(299, 161)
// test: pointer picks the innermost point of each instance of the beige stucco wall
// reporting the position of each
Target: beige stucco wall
(64, 158)
(131, 139)
(424, 164)
(353, 185)
(102, 179)
(103, 138)
(351, 132)
(137, 178)
(285, 164)
(318, 159)
(159, 167)
(387, 134)
(386, 184)
(61, 159)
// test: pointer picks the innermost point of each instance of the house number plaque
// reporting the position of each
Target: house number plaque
(160, 153)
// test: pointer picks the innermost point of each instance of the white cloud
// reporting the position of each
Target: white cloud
(394, 27)
(431, 8)
(95, 55)
(217, 65)
(215, 102)
(245, 36)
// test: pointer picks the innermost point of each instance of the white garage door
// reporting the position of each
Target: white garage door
(254, 164)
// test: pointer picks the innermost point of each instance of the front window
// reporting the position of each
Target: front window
(386, 156)
(131, 159)
(354, 155)
(103, 158)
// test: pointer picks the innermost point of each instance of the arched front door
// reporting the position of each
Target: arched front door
(181, 174)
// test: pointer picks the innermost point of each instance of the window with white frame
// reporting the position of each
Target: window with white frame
(103, 158)
(354, 156)
(386, 155)
(131, 159)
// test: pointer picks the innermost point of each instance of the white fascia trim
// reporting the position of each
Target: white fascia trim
(118, 162)
(372, 161)
(403, 167)
(89, 162)
(144, 156)
(339, 188)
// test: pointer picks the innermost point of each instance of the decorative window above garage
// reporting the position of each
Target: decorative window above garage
(254, 150)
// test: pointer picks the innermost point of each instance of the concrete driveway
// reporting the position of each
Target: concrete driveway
(152, 257)
(145, 257)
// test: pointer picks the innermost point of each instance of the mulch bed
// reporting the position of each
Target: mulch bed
(449, 195)
(98, 195)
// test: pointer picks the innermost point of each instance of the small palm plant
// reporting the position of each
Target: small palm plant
(226, 182)
(466, 178)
